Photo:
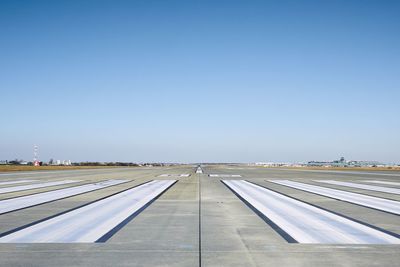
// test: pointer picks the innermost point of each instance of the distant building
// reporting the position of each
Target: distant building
(274, 164)
(61, 162)
(336, 163)
(343, 163)
(355, 163)
(66, 162)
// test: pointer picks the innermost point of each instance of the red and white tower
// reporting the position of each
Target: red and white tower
(35, 155)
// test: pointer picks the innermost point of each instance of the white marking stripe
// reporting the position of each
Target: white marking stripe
(363, 186)
(17, 203)
(348, 172)
(174, 175)
(380, 182)
(306, 223)
(91, 222)
(17, 182)
(35, 186)
(363, 200)
(225, 175)
(43, 172)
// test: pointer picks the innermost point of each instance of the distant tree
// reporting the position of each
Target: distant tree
(14, 162)
(51, 161)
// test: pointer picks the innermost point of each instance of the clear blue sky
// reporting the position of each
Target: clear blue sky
(200, 81)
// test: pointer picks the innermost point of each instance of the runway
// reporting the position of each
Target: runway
(197, 220)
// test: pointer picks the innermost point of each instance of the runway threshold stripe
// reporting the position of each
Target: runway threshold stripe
(225, 175)
(363, 186)
(382, 204)
(18, 203)
(94, 222)
(380, 182)
(175, 175)
(301, 222)
(35, 186)
(17, 182)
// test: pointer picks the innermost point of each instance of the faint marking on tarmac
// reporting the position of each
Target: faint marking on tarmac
(344, 172)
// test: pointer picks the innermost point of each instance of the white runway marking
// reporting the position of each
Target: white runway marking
(225, 175)
(363, 186)
(17, 203)
(380, 182)
(306, 223)
(92, 222)
(174, 175)
(32, 172)
(348, 172)
(17, 182)
(35, 186)
(41, 172)
(363, 200)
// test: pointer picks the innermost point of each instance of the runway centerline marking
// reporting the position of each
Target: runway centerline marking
(35, 186)
(94, 222)
(305, 223)
(362, 186)
(18, 203)
(378, 203)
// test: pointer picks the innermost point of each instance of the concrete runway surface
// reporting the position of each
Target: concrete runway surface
(160, 216)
